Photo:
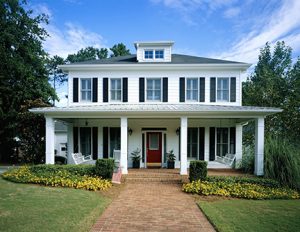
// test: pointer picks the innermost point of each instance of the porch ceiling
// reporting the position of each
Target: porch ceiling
(156, 110)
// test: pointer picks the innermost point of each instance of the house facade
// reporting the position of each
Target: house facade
(156, 101)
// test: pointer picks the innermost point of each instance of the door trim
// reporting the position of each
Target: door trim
(162, 132)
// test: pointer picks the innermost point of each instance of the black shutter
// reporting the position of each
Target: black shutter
(212, 89)
(95, 142)
(75, 139)
(202, 89)
(105, 142)
(95, 89)
(125, 89)
(212, 143)
(201, 142)
(75, 89)
(232, 89)
(105, 89)
(181, 89)
(142, 89)
(165, 89)
(232, 140)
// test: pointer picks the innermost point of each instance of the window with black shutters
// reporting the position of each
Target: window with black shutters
(115, 89)
(192, 143)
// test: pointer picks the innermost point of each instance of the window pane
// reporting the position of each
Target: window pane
(149, 84)
(85, 141)
(219, 83)
(188, 95)
(153, 142)
(188, 84)
(225, 95)
(149, 95)
(119, 95)
(157, 84)
(157, 95)
(225, 83)
(195, 93)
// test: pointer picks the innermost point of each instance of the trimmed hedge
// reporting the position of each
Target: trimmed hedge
(105, 168)
(198, 170)
(80, 169)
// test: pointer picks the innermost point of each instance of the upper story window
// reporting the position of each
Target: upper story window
(115, 89)
(148, 54)
(86, 89)
(154, 89)
(192, 87)
(159, 54)
(223, 89)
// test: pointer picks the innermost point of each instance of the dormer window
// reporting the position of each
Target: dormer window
(154, 54)
(159, 54)
(148, 54)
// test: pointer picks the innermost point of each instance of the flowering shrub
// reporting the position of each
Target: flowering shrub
(239, 190)
(61, 178)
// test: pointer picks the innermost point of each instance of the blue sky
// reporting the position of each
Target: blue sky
(226, 29)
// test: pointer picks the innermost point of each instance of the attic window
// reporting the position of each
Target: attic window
(148, 54)
(159, 54)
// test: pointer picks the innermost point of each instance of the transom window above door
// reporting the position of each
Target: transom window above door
(223, 89)
(153, 89)
(192, 89)
(115, 89)
(86, 89)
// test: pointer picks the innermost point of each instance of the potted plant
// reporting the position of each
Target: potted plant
(171, 159)
(136, 157)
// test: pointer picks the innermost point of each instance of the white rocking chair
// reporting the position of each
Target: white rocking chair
(80, 159)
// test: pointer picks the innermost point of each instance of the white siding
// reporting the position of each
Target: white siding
(173, 83)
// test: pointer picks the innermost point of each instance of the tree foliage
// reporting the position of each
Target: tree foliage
(275, 82)
(88, 53)
(119, 50)
(23, 73)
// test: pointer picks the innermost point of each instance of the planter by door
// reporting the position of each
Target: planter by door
(154, 149)
(171, 164)
(136, 164)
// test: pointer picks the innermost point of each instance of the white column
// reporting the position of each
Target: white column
(206, 144)
(70, 143)
(259, 146)
(183, 145)
(238, 145)
(124, 129)
(49, 140)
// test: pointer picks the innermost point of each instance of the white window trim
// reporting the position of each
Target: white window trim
(109, 87)
(146, 96)
(154, 50)
(189, 100)
(229, 84)
(216, 139)
(80, 92)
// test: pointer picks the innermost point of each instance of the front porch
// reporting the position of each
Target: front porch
(191, 138)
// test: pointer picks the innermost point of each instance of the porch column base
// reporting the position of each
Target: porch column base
(123, 158)
(259, 146)
(49, 140)
(183, 145)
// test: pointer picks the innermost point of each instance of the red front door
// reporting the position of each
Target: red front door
(154, 147)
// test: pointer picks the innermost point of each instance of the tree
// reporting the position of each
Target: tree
(274, 83)
(88, 53)
(119, 50)
(23, 74)
(56, 75)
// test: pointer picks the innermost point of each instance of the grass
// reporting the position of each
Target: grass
(26, 207)
(251, 215)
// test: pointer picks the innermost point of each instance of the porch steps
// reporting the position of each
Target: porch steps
(168, 176)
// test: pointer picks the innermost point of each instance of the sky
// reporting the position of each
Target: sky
(226, 29)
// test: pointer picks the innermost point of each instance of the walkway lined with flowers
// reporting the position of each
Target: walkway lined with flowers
(153, 207)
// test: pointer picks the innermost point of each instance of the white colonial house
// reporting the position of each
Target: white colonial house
(156, 101)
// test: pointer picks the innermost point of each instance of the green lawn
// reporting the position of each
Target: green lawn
(25, 207)
(251, 215)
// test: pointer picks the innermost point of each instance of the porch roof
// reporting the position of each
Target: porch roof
(162, 109)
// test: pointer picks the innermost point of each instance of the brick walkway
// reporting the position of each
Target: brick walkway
(153, 207)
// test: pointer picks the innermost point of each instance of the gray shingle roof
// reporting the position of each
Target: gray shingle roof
(176, 59)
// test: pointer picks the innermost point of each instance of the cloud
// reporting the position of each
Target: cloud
(70, 39)
(232, 12)
(282, 24)
(188, 8)
(42, 9)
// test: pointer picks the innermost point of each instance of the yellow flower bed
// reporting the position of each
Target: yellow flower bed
(239, 190)
(60, 178)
